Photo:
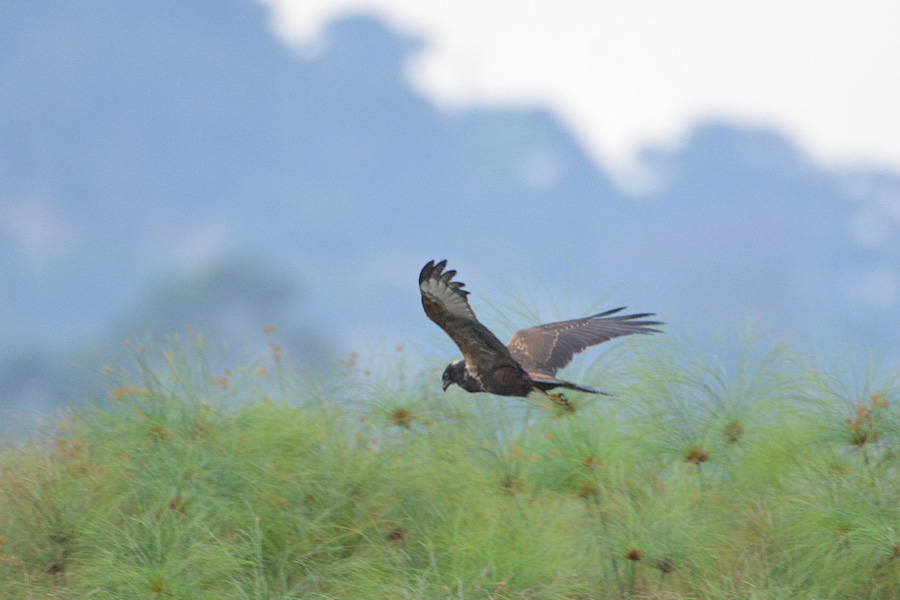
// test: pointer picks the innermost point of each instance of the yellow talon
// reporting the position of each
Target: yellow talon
(558, 399)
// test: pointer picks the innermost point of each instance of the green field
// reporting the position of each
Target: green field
(767, 477)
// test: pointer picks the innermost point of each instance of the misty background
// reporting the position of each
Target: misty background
(167, 164)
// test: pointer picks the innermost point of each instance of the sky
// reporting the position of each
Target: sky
(627, 74)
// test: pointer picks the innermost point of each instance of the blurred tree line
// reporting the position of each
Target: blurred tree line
(231, 302)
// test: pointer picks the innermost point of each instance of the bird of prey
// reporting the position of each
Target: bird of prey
(528, 363)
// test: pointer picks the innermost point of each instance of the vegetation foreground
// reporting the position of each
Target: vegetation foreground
(764, 479)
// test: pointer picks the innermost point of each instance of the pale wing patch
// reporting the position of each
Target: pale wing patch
(449, 296)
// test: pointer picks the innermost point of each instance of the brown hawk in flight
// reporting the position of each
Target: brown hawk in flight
(530, 361)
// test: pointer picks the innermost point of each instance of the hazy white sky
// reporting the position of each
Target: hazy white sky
(625, 73)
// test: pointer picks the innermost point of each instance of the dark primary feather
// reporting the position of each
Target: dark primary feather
(445, 303)
(450, 295)
(547, 348)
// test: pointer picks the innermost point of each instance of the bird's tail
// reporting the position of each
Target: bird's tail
(546, 382)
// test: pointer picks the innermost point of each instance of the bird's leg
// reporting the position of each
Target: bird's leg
(557, 399)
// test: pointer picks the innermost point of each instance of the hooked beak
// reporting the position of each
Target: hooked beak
(445, 385)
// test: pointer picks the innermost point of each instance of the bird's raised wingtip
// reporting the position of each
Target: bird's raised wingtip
(430, 268)
(638, 321)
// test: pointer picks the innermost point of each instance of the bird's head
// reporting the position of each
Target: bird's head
(454, 373)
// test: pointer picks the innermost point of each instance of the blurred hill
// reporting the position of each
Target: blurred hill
(164, 163)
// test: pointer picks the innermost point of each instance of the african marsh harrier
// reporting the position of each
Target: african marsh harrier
(530, 361)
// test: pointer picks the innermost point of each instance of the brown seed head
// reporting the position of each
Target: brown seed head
(696, 455)
(733, 432)
(587, 489)
(402, 417)
(634, 554)
(511, 485)
(861, 437)
(591, 462)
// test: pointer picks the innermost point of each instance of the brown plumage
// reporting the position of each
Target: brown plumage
(530, 361)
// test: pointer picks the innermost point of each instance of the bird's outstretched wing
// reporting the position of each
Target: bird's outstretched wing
(546, 348)
(445, 303)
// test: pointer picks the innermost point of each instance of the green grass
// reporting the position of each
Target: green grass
(767, 478)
